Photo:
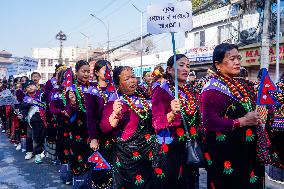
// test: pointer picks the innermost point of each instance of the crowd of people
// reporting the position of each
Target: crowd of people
(150, 138)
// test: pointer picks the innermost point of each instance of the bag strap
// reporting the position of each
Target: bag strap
(185, 124)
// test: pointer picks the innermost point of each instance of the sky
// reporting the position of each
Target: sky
(27, 24)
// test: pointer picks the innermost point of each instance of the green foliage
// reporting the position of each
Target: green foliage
(196, 4)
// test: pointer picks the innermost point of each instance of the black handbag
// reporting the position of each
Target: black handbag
(194, 154)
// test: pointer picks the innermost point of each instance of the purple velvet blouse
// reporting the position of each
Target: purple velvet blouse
(94, 107)
(55, 106)
(213, 106)
(161, 106)
(126, 126)
(47, 90)
(70, 109)
(20, 95)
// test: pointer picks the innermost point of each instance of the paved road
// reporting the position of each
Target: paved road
(17, 173)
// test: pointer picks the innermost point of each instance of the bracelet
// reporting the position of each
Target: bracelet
(236, 123)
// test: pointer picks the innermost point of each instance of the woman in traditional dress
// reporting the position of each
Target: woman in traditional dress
(16, 122)
(146, 84)
(79, 140)
(9, 110)
(60, 120)
(23, 124)
(158, 76)
(96, 99)
(276, 133)
(168, 115)
(229, 118)
(127, 117)
(51, 84)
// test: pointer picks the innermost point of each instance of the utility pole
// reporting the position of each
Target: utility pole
(61, 37)
(107, 30)
(265, 36)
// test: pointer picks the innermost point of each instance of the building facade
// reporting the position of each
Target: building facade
(48, 57)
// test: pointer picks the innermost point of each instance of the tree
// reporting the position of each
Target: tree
(196, 4)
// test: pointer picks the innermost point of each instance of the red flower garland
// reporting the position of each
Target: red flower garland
(139, 111)
(188, 105)
(233, 89)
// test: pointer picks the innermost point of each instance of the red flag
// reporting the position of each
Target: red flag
(108, 78)
(265, 88)
(100, 162)
(68, 78)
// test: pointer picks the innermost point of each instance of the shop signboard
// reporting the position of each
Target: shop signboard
(251, 56)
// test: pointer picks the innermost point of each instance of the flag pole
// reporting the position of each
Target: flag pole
(277, 41)
(175, 64)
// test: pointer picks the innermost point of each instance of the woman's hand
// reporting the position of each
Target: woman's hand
(117, 107)
(72, 97)
(250, 119)
(116, 113)
(94, 144)
(63, 112)
(20, 116)
(175, 106)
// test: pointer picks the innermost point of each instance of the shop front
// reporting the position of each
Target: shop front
(251, 60)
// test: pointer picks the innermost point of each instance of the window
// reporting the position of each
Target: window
(202, 38)
(67, 61)
(42, 62)
(50, 62)
(196, 39)
(224, 33)
(199, 39)
(50, 75)
(43, 76)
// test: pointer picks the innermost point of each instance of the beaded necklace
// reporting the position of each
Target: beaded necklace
(233, 87)
(102, 94)
(80, 97)
(63, 96)
(188, 106)
(142, 113)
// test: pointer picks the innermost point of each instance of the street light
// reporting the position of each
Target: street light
(107, 29)
(141, 38)
(61, 37)
(88, 39)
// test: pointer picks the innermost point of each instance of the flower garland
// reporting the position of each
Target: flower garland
(142, 113)
(245, 100)
(80, 95)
